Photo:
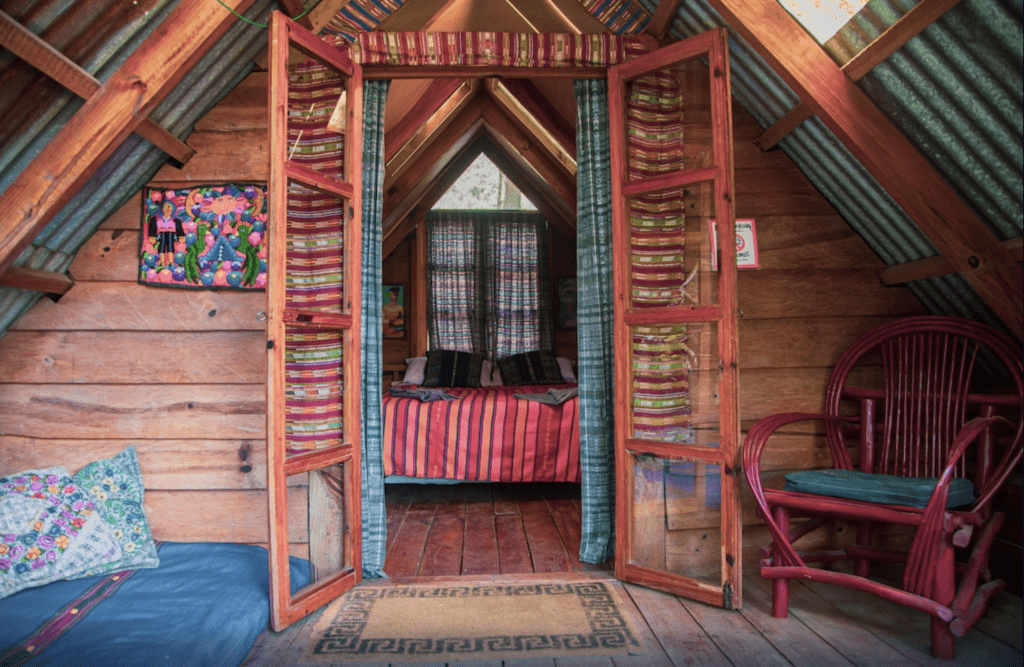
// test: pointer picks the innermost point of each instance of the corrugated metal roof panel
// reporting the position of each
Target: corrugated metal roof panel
(956, 92)
(135, 162)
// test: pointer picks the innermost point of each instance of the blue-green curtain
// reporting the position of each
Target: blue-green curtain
(375, 521)
(594, 320)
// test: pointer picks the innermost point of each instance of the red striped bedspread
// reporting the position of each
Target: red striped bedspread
(485, 434)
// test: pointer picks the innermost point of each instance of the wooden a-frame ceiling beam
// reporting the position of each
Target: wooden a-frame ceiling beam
(39, 54)
(905, 174)
(432, 112)
(932, 267)
(529, 110)
(549, 204)
(407, 190)
(662, 19)
(112, 113)
(534, 172)
(906, 28)
(467, 150)
(406, 186)
(23, 277)
(512, 150)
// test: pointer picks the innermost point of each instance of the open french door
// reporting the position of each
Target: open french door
(676, 407)
(313, 295)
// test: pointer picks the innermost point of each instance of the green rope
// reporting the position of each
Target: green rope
(258, 25)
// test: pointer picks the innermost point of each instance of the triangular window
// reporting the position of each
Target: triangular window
(483, 187)
(823, 18)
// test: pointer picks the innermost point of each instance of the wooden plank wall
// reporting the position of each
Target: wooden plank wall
(181, 373)
(816, 291)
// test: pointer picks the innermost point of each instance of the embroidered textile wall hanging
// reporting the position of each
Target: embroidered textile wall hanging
(207, 236)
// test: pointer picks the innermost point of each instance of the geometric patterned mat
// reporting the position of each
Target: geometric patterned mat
(492, 621)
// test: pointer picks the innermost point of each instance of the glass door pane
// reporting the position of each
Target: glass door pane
(676, 417)
(313, 292)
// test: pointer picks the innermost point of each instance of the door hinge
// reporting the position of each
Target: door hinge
(727, 595)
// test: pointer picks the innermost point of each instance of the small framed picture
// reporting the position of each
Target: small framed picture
(567, 302)
(394, 311)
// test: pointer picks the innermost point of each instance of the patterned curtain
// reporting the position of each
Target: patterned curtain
(455, 282)
(519, 287)
(594, 315)
(488, 283)
(375, 93)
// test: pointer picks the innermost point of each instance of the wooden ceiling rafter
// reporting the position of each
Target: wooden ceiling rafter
(951, 225)
(430, 116)
(662, 20)
(407, 190)
(932, 267)
(324, 11)
(529, 153)
(36, 280)
(415, 16)
(906, 28)
(295, 8)
(576, 15)
(38, 53)
(111, 114)
(527, 107)
(480, 142)
(430, 175)
(449, 173)
(522, 17)
(557, 212)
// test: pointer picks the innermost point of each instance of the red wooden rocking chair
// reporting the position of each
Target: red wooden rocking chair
(934, 444)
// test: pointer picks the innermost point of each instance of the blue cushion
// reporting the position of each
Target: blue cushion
(885, 489)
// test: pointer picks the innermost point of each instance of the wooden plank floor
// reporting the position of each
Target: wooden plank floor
(481, 529)
(481, 533)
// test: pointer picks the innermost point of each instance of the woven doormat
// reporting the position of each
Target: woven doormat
(420, 623)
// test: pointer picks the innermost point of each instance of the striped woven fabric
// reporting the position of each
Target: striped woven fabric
(661, 407)
(314, 276)
(485, 434)
(361, 16)
(500, 49)
(313, 380)
(661, 396)
(315, 230)
(623, 17)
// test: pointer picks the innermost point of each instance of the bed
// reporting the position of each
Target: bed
(205, 604)
(83, 582)
(493, 430)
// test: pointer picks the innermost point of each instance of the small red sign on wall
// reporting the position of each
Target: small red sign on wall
(746, 244)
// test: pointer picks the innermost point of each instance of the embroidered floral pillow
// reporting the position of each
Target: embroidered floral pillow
(49, 530)
(116, 489)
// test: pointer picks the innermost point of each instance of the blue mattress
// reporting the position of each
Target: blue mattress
(204, 605)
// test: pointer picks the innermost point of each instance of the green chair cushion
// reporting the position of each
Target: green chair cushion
(884, 489)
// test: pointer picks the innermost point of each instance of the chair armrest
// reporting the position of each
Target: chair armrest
(920, 570)
(968, 434)
(757, 438)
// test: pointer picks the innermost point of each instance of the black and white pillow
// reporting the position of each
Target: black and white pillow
(450, 368)
(534, 367)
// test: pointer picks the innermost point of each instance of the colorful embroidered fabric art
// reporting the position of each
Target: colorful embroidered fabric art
(49, 530)
(207, 236)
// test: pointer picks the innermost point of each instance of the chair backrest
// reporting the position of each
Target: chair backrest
(921, 379)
